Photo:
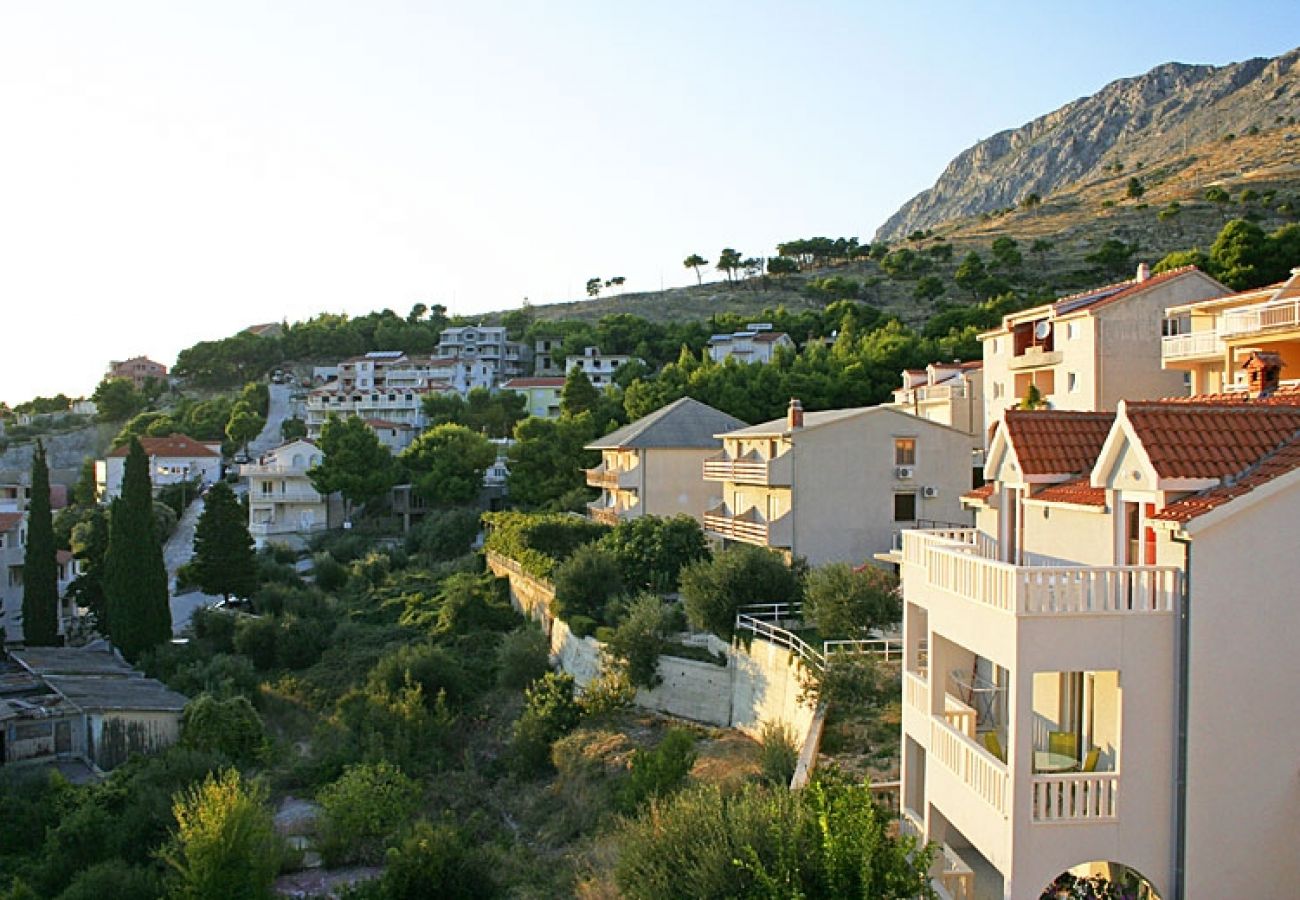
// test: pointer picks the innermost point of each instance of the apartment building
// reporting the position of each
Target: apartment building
(651, 467)
(386, 386)
(757, 343)
(136, 370)
(488, 352)
(1099, 676)
(13, 551)
(1214, 340)
(836, 486)
(172, 460)
(542, 394)
(598, 367)
(282, 501)
(948, 393)
(546, 357)
(1089, 350)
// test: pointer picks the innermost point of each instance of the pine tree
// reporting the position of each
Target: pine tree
(40, 568)
(223, 549)
(135, 579)
(578, 394)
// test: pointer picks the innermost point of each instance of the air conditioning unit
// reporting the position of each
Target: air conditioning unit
(905, 472)
(930, 492)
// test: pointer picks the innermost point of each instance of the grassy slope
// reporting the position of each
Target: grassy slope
(1074, 220)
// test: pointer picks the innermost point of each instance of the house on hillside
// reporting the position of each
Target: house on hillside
(13, 552)
(757, 343)
(1098, 675)
(652, 466)
(63, 704)
(948, 393)
(837, 486)
(598, 367)
(172, 460)
(1214, 340)
(485, 357)
(137, 370)
(1090, 350)
(542, 394)
(282, 501)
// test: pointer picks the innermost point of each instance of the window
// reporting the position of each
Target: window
(266, 488)
(1072, 382)
(904, 451)
(905, 507)
(994, 345)
(997, 389)
(1071, 331)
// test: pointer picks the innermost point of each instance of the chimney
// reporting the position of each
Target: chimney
(1144, 272)
(794, 418)
(1263, 372)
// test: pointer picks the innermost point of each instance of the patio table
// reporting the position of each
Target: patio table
(1053, 763)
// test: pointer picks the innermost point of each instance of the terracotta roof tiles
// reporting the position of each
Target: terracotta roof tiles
(9, 520)
(1055, 442)
(176, 445)
(1078, 491)
(983, 492)
(1208, 441)
(1283, 460)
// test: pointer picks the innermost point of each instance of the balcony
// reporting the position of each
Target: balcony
(303, 494)
(749, 527)
(963, 562)
(1033, 358)
(274, 470)
(956, 713)
(1280, 315)
(1075, 797)
(750, 469)
(979, 770)
(1196, 345)
(605, 515)
(262, 529)
(613, 479)
(938, 392)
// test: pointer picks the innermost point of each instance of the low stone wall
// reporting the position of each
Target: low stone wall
(759, 684)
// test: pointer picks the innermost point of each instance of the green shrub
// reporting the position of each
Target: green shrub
(215, 628)
(714, 589)
(471, 602)
(585, 582)
(850, 680)
(301, 642)
(257, 639)
(523, 656)
(639, 640)
(282, 553)
(437, 861)
(778, 753)
(400, 727)
(330, 574)
(657, 773)
(582, 626)
(652, 550)
(433, 669)
(843, 603)
(444, 534)
(550, 712)
(362, 809)
(222, 675)
(114, 880)
(229, 727)
(538, 542)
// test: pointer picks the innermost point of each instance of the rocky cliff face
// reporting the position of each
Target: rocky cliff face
(1148, 119)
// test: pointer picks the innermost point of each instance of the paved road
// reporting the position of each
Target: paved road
(177, 552)
(279, 409)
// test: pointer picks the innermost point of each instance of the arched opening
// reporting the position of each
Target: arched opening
(1100, 881)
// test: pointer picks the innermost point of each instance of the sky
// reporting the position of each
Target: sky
(175, 172)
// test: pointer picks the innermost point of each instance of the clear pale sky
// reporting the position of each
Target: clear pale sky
(173, 172)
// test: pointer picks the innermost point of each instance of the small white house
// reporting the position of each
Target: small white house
(172, 460)
(598, 367)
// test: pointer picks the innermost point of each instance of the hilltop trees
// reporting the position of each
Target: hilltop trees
(695, 261)
(40, 568)
(223, 549)
(729, 260)
(135, 580)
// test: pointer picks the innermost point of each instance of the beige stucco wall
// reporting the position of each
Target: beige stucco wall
(673, 482)
(1243, 788)
(1066, 534)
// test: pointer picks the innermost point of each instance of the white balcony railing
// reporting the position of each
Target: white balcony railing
(1075, 797)
(916, 693)
(984, 774)
(1192, 346)
(1265, 317)
(958, 561)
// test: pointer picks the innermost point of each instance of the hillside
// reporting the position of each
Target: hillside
(1147, 120)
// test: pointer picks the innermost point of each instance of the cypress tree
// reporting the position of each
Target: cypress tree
(135, 579)
(223, 549)
(40, 567)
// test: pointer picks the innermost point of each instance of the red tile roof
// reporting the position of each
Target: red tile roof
(1209, 441)
(1287, 395)
(9, 520)
(1283, 460)
(1077, 491)
(1120, 290)
(176, 445)
(768, 337)
(983, 492)
(1056, 442)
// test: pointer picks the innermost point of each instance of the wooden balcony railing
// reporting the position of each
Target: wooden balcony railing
(748, 528)
(611, 479)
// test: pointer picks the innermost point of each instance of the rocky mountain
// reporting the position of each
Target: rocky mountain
(1128, 124)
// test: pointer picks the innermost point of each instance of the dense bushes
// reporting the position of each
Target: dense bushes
(539, 542)
(639, 639)
(844, 603)
(654, 774)
(444, 534)
(714, 589)
(585, 582)
(550, 712)
(522, 657)
(229, 727)
(651, 550)
(362, 809)
(436, 861)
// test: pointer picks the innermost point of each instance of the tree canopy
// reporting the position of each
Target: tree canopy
(135, 579)
(223, 549)
(354, 462)
(446, 464)
(40, 567)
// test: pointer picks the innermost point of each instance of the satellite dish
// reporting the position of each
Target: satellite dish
(1042, 330)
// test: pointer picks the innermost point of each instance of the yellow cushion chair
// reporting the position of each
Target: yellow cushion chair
(1065, 743)
(1090, 761)
(993, 745)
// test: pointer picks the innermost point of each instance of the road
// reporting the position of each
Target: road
(179, 548)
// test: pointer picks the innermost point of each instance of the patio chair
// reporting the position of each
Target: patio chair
(1090, 761)
(1065, 743)
(993, 745)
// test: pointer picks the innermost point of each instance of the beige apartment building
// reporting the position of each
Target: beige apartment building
(1100, 675)
(1090, 350)
(837, 486)
(948, 393)
(651, 467)
(282, 502)
(1214, 340)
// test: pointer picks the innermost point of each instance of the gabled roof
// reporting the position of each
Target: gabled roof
(1281, 461)
(768, 337)
(683, 423)
(1077, 491)
(1056, 442)
(1210, 441)
(173, 446)
(983, 492)
(1286, 395)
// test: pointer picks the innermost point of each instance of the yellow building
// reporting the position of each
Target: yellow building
(652, 466)
(837, 486)
(1099, 674)
(947, 393)
(1211, 340)
(1090, 350)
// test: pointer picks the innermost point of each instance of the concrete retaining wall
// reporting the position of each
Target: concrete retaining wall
(759, 684)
